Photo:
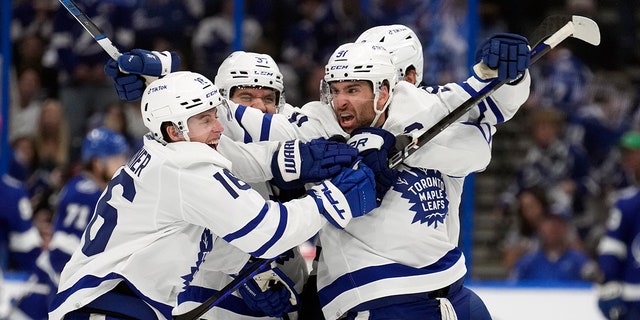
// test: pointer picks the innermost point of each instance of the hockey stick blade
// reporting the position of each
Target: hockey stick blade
(91, 27)
(258, 266)
(563, 27)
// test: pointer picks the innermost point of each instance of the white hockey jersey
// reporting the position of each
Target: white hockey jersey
(409, 244)
(161, 215)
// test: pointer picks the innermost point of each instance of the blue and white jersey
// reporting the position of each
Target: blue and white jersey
(19, 239)
(215, 273)
(159, 218)
(619, 249)
(75, 206)
(409, 244)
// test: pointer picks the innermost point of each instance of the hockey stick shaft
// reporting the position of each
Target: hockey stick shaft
(91, 27)
(573, 27)
(258, 266)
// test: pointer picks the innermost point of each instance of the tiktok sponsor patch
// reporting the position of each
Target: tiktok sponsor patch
(425, 189)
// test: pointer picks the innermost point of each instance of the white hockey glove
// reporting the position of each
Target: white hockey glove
(297, 163)
(270, 292)
(350, 194)
(610, 300)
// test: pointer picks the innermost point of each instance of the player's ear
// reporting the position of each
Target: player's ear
(383, 96)
(173, 133)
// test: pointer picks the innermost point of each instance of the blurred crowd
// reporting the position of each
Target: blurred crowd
(583, 98)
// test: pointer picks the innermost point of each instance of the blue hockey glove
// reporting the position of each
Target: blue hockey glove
(136, 67)
(270, 292)
(374, 146)
(128, 86)
(350, 194)
(149, 63)
(297, 163)
(508, 53)
(610, 300)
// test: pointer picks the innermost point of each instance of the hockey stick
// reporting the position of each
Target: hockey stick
(91, 27)
(259, 266)
(552, 31)
(97, 34)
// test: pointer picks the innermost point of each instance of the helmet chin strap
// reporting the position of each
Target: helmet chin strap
(375, 108)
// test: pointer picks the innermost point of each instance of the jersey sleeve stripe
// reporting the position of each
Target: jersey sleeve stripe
(249, 226)
(466, 87)
(495, 110)
(239, 113)
(277, 235)
(266, 127)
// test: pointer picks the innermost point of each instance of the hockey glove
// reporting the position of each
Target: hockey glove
(506, 52)
(270, 292)
(138, 66)
(128, 86)
(375, 145)
(149, 63)
(350, 194)
(610, 300)
(297, 163)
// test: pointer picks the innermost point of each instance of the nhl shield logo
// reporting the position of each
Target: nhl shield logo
(426, 190)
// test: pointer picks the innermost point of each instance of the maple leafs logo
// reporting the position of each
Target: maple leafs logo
(426, 190)
(206, 244)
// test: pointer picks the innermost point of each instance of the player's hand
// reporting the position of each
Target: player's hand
(270, 292)
(610, 300)
(350, 194)
(149, 63)
(508, 53)
(374, 146)
(297, 163)
(128, 86)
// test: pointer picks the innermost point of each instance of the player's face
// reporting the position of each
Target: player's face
(353, 104)
(205, 127)
(263, 99)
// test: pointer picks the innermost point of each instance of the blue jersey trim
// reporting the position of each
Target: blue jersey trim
(91, 281)
(495, 110)
(266, 127)
(249, 226)
(230, 303)
(371, 274)
(282, 225)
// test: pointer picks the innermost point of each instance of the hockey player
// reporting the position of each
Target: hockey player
(254, 80)
(103, 152)
(162, 212)
(403, 45)
(388, 277)
(619, 250)
(20, 242)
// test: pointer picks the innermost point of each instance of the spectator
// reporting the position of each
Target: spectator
(555, 260)
(522, 236)
(213, 38)
(26, 105)
(552, 164)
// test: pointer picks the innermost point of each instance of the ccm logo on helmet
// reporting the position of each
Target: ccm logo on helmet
(212, 93)
(339, 67)
(262, 73)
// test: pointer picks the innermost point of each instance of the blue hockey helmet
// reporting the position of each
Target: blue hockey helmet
(101, 143)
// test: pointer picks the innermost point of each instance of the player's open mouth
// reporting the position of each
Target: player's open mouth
(346, 118)
(213, 144)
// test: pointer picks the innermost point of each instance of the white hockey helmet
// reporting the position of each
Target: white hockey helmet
(361, 61)
(175, 98)
(402, 43)
(250, 69)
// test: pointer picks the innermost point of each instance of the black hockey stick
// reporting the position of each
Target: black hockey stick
(91, 27)
(96, 33)
(259, 266)
(552, 31)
